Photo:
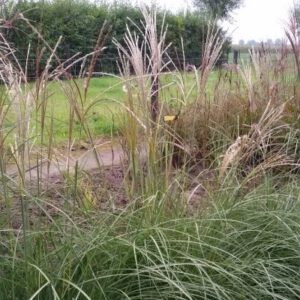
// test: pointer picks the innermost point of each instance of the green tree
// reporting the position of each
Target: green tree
(218, 8)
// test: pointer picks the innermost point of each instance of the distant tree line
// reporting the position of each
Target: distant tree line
(79, 22)
(269, 43)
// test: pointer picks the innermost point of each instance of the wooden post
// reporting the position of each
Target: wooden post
(154, 97)
(235, 56)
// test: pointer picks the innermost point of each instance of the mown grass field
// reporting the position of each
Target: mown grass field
(102, 118)
(106, 98)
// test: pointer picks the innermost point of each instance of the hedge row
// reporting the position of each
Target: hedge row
(79, 22)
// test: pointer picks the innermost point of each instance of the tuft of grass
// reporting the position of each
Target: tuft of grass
(241, 247)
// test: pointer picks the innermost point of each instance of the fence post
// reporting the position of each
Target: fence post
(235, 56)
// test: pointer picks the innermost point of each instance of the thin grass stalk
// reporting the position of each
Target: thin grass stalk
(211, 52)
(99, 48)
(291, 33)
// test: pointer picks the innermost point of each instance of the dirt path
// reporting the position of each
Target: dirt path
(105, 154)
(103, 184)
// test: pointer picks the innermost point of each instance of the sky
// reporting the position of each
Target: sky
(256, 19)
(260, 20)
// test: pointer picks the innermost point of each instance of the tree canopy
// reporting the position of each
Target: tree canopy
(218, 8)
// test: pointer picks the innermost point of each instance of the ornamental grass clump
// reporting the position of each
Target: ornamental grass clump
(241, 247)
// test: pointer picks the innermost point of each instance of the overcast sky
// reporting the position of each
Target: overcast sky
(256, 19)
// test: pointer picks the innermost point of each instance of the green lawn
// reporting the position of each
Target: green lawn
(104, 96)
(101, 118)
(102, 106)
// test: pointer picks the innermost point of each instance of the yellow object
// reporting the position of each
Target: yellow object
(170, 118)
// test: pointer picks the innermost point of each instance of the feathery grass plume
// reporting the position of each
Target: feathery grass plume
(281, 62)
(20, 100)
(132, 56)
(257, 77)
(261, 78)
(247, 76)
(8, 13)
(237, 103)
(211, 52)
(193, 125)
(234, 153)
(263, 64)
(157, 49)
(143, 51)
(260, 141)
(292, 34)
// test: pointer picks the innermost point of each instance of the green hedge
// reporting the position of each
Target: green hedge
(79, 22)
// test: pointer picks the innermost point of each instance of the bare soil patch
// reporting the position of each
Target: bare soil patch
(77, 181)
(96, 189)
